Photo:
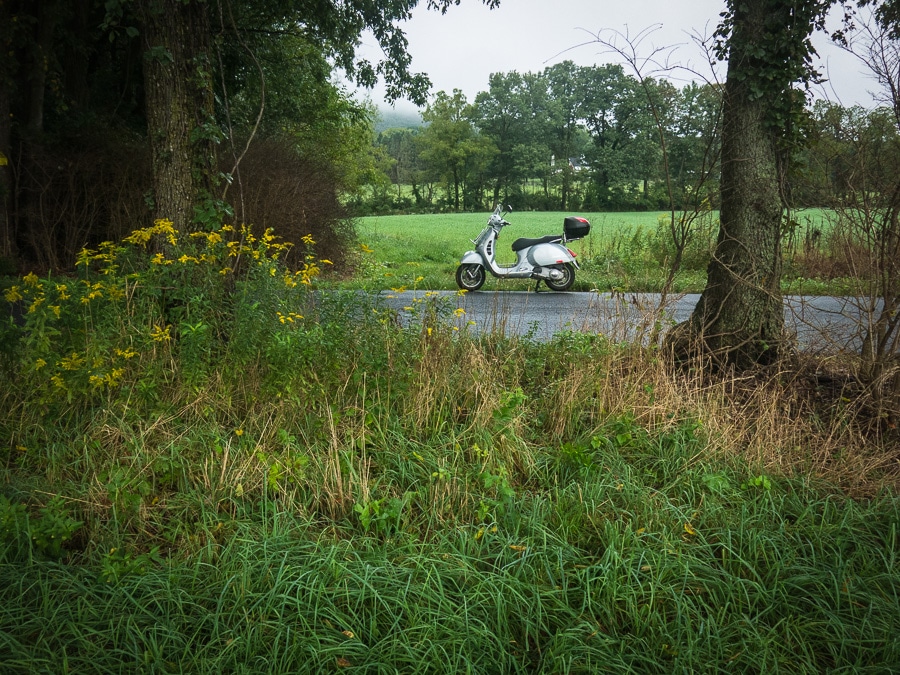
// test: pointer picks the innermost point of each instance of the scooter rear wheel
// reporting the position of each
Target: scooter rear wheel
(565, 281)
(470, 276)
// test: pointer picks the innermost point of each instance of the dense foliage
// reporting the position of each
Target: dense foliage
(115, 113)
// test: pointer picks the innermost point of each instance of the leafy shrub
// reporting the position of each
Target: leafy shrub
(45, 535)
(160, 307)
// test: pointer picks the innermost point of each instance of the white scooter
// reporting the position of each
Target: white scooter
(545, 258)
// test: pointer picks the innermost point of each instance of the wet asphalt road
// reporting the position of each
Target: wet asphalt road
(819, 323)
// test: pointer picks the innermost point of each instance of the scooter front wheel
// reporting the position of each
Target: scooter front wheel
(564, 282)
(470, 276)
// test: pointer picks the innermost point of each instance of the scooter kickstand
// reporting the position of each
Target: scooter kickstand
(537, 285)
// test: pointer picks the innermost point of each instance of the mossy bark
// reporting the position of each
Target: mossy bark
(739, 318)
(180, 109)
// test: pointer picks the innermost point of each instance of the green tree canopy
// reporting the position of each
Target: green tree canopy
(193, 80)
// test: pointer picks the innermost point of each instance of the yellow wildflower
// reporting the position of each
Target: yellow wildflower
(93, 295)
(37, 303)
(72, 362)
(112, 378)
(160, 333)
(12, 294)
(289, 317)
(115, 293)
(31, 279)
(137, 237)
(84, 257)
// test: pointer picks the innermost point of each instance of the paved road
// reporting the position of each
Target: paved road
(820, 323)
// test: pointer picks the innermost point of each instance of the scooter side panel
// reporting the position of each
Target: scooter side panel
(549, 254)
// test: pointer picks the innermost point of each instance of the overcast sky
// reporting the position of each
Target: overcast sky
(460, 49)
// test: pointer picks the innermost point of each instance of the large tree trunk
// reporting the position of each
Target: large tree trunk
(180, 112)
(740, 315)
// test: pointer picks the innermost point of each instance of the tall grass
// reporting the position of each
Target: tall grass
(306, 486)
(781, 580)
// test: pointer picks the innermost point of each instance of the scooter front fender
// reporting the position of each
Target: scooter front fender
(549, 254)
(472, 257)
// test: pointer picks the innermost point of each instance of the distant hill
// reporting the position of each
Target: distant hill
(391, 118)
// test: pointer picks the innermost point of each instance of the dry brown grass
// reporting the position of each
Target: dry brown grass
(803, 416)
(786, 419)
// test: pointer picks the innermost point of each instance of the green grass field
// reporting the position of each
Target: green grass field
(266, 481)
(430, 246)
(624, 251)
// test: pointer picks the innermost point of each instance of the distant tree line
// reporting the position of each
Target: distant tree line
(585, 137)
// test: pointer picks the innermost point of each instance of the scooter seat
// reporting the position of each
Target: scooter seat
(523, 242)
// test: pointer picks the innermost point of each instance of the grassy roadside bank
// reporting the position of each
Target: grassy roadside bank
(259, 483)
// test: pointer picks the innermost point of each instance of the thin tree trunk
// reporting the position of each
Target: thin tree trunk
(8, 247)
(47, 16)
(76, 66)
